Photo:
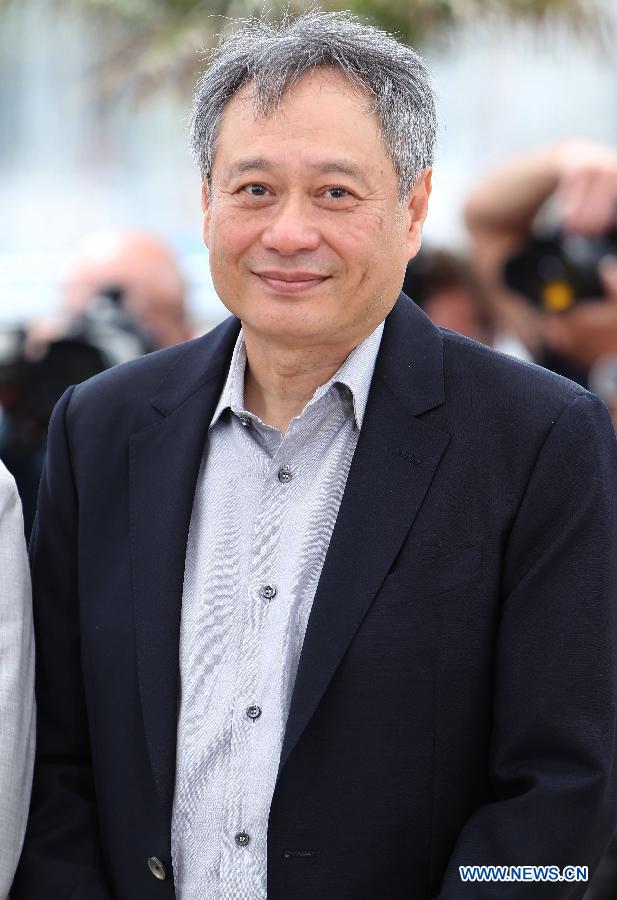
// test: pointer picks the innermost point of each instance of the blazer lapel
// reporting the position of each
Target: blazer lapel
(164, 465)
(392, 468)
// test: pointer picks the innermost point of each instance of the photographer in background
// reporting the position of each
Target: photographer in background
(147, 271)
(34, 373)
(544, 240)
(123, 296)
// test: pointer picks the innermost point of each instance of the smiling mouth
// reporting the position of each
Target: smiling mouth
(291, 284)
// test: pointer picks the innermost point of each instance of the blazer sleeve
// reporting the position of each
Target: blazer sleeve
(553, 752)
(16, 681)
(62, 855)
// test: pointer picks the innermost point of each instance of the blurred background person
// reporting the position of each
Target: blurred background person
(123, 296)
(445, 286)
(146, 272)
(544, 241)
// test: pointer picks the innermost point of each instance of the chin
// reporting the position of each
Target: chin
(289, 327)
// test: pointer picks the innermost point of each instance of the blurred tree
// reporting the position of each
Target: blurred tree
(414, 20)
(160, 42)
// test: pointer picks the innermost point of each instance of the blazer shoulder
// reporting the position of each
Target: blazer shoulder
(500, 383)
(502, 413)
(139, 377)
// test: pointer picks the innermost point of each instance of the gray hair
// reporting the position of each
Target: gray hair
(274, 55)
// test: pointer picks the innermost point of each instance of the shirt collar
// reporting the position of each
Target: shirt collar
(356, 373)
(232, 395)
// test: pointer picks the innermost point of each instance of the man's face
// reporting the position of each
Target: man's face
(308, 240)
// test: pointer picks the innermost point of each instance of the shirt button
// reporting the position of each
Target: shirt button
(242, 839)
(284, 475)
(157, 868)
(253, 712)
(268, 591)
(244, 420)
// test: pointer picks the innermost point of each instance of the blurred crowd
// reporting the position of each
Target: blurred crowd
(539, 281)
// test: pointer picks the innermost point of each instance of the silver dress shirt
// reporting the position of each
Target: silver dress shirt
(263, 514)
(17, 709)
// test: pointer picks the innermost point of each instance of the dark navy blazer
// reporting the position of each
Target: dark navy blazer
(455, 699)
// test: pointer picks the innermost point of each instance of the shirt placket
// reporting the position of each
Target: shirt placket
(244, 840)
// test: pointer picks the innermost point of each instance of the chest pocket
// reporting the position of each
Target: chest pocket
(436, 575)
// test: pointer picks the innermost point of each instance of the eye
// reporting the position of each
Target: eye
(255, 190)
(337, 193)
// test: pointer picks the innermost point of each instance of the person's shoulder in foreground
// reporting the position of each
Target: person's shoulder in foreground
(16, 681)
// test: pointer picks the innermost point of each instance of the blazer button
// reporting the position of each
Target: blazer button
(157, 868)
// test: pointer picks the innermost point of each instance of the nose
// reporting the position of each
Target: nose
(291, 228)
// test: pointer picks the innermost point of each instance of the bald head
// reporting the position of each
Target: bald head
(146, 270)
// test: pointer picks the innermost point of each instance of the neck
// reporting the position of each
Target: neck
(279, 381)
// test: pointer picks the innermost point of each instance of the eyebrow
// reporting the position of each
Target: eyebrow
(328, 167)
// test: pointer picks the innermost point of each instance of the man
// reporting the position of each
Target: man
(16, 682)
(325, 605)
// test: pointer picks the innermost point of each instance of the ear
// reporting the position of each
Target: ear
(206, 209)
(416, 210)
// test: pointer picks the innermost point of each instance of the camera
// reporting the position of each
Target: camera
(557, 270)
